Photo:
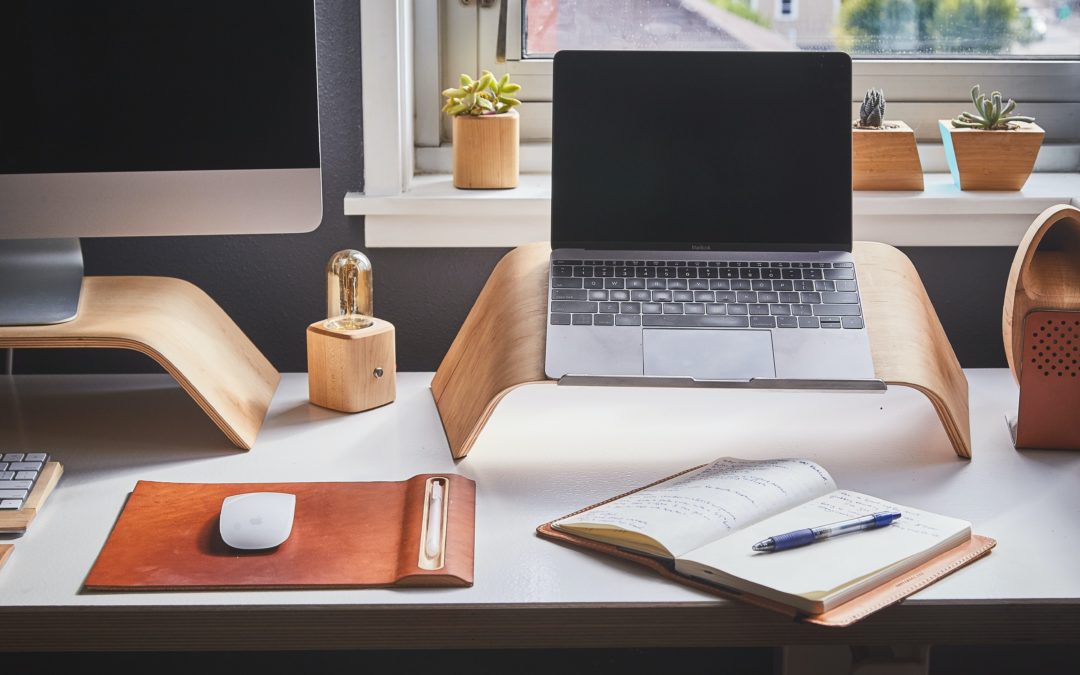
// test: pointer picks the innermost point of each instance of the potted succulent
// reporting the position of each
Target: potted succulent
(991, 149)
(485, 131)
(883, 152)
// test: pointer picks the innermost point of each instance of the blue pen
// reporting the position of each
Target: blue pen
(809, 535)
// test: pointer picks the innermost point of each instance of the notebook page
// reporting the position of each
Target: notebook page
(711, 502)
(826, 567)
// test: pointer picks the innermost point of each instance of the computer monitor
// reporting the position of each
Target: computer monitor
(129, 117)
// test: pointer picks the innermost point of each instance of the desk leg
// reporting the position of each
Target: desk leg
(855, 660)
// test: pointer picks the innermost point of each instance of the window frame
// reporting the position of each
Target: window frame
(920, 91)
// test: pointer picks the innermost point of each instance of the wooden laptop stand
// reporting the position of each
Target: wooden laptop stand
(184, 330)
(496, 352)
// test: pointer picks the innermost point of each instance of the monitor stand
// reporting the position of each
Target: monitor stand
(178, 326)
(40, 281)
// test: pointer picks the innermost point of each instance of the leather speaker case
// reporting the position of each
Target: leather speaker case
(1049, 381)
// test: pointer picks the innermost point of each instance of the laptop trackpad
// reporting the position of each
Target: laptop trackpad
(705, 354)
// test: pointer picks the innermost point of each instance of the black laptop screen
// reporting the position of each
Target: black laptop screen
(701, 150)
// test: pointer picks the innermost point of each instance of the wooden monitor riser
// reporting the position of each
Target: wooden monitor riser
(184, 330)
(492, 356)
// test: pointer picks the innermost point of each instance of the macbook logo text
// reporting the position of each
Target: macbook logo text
(700, 247)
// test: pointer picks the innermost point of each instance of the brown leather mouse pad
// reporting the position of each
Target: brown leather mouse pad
(345, 535)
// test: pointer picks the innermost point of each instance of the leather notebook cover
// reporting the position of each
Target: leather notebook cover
(345, 535)
(846, 614)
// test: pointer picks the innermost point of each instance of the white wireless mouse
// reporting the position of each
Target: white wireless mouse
(257, 520)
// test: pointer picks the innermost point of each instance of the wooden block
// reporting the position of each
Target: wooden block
(486, 150)
(5, 553)
(184, 331)
(991, 160)
(352, 370)
(492, 354)
(17, 521)
(885, 159)
(1045, 274)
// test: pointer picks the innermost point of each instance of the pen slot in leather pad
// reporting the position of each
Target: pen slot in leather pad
(432, 548)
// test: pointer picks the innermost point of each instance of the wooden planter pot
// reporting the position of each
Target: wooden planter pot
(991, 160)
(885, 159)
(486, 151)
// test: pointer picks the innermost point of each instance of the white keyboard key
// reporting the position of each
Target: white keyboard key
(19, 472)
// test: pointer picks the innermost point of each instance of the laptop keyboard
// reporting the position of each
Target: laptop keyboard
(704, 294)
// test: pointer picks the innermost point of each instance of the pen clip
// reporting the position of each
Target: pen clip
(433, 523)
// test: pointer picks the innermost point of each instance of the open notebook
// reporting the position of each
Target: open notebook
(702, 523)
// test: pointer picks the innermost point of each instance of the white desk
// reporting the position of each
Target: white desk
(546, 452)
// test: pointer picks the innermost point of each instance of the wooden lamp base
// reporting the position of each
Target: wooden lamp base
(351, 370)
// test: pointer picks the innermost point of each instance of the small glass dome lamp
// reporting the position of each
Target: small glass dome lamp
(352, 365)
(348, 291)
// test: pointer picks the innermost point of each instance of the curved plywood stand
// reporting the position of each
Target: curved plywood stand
(498, 350)
(187, 333)
(1044, 275)
(907, 341)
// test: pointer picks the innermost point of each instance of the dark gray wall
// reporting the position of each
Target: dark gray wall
(272, 285)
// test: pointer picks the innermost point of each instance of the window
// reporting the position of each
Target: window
(787, 10)
(925, 54)
(412, 49)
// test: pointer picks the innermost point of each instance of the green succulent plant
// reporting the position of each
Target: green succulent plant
(989, 113)
(482, 96)
(872, 110)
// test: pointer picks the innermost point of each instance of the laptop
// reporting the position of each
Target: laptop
(701, 220)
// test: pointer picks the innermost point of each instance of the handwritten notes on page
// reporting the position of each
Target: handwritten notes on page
(828, 567)
(687, 511)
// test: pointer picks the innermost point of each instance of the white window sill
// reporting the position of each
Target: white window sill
(434, 214)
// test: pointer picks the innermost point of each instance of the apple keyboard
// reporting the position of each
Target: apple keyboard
(19, 473)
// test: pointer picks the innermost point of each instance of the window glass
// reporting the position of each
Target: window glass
(864, 28)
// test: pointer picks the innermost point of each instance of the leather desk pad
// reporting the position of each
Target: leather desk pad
(345, 535)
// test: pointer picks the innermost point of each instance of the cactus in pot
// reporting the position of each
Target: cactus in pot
(482, 96)
(991, 148)
(486, 131)
(989, 113)
(883, 153)
(872, 110)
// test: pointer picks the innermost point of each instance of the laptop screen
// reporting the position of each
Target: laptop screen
(701, 150)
